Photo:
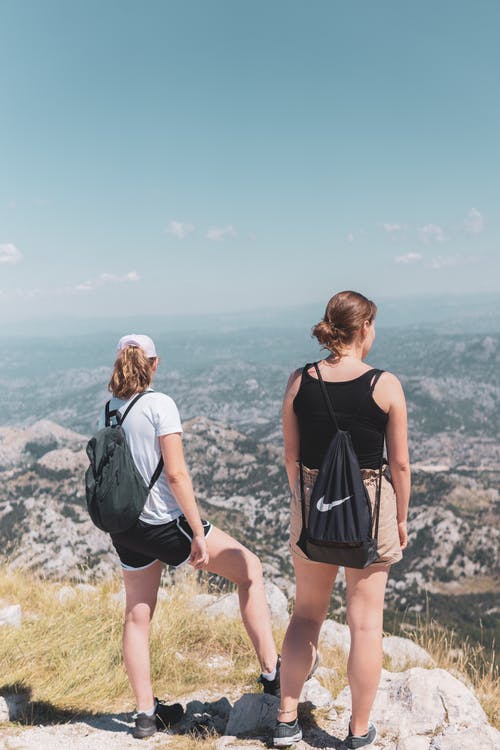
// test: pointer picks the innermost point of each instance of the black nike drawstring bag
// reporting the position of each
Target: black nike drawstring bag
(340, 528)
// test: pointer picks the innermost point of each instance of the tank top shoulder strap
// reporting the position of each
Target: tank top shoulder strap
(375, 375)
(304, 372)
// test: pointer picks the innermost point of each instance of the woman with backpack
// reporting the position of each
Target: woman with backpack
(323, 401)
(170, 531)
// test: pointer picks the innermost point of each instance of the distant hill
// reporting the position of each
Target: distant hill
(452, 560)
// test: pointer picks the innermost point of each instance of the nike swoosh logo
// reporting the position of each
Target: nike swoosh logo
(322, 506)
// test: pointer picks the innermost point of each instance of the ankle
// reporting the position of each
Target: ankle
(287, 715)
(358, 729)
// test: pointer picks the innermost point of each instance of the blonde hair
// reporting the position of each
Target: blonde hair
(132, 372)
(344, 316)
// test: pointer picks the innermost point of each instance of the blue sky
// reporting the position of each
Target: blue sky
(212, 156)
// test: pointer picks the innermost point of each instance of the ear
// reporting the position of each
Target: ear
(154, 365)
(364, 329)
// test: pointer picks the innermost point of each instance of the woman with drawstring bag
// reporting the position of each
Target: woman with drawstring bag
(342, 397)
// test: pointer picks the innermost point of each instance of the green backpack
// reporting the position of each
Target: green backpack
(116, 492)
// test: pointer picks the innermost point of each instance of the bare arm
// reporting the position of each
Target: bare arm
(291, 429)
(180, 483)
(396, 435)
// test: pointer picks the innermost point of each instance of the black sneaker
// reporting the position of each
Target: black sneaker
(272, 687)
(286, 734)
(352, 742)
(163, 718)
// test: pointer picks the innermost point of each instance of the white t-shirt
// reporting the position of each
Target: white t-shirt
(155, 414)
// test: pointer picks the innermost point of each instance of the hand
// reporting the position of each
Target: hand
(403, 534)
(199, 555)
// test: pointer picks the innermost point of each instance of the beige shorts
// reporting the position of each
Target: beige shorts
(389, 548)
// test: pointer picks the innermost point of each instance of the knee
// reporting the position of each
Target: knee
(253, 570)
(308, 624)
(139, 615)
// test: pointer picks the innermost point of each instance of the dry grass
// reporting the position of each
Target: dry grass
(69, 655)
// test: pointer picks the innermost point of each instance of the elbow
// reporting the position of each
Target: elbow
(177, 477)
(400, 466)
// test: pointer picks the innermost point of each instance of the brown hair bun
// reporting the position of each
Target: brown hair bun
(344, 316)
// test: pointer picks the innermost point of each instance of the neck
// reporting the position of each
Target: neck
(350, 353)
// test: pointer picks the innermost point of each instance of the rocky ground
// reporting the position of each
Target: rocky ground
(418, 707)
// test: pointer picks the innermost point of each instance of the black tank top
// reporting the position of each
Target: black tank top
(316, 428)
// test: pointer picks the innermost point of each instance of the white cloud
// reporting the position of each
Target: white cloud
(392, 228)
(107, 278)
(350, 238)
(220, 233)
(473, 222)
(408, 258)
(179, 229)
(9, 254)
(432, 233)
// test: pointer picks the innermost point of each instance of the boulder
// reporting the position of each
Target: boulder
(11, 615)
(404, 653)
(315, 694)
(278, 605)
(229, 606)
(484, 737)
(65, 595)
(335, 635)
(224, 606)
(253, 714)
(86, 588)
(427, 700)
(201, 601)
(325, 673)
(413, 743)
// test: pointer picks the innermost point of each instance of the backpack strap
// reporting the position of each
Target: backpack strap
(157, 473)
(334, 419)
(381, 465)
(328, 401)
(120, 420)
(108, 414)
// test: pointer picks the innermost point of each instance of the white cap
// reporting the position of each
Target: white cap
(140, 340)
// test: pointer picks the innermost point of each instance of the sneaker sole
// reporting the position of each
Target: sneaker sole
(286, 741)
(142, 735)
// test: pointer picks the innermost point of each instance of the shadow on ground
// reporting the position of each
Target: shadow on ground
(203, 720)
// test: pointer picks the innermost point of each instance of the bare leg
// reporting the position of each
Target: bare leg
(314, 582)
(230, 559)
(365, 607)
(141, 588)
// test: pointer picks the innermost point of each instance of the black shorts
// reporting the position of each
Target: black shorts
(144, 544)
